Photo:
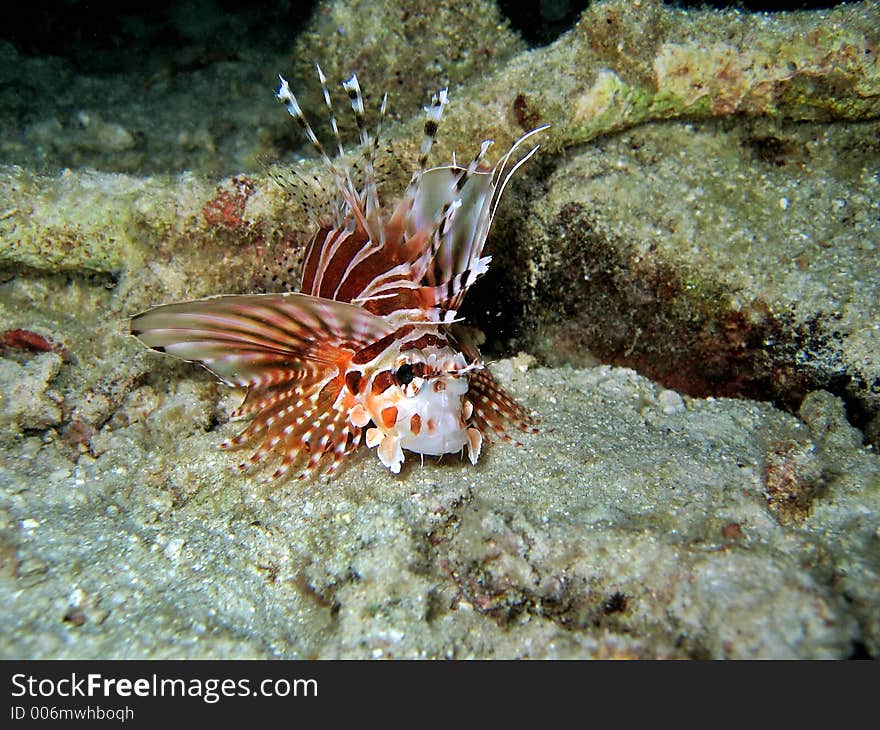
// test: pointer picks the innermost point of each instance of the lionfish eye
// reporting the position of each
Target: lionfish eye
(404, 374)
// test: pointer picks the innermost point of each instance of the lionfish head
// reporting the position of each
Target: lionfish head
(417, 399)
(368, 345)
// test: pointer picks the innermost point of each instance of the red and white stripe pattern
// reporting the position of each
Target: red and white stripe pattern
(368, 346)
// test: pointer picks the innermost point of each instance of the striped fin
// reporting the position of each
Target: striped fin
(370, 194)
(342, 178)
(259, 340)
(291, 351)
(459, 205)
(494, 410)
(429, 252)
(349, 251)
(308, 426)
(328, 102)
(340, 262)
(308, 194)
(401, 218)
(432, 124)
(355, 265)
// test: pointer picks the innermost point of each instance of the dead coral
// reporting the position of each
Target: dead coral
(792, 480)
(26, 401)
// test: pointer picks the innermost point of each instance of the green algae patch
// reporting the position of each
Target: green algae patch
(609, 104)
(171, 225)
(628, 63)
(92, 221)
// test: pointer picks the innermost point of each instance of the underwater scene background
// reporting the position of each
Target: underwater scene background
(683, 289)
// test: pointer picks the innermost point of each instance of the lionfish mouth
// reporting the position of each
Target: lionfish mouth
(376, 286)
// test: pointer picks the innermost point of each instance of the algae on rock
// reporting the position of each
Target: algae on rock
(610, 72)
(718, 259)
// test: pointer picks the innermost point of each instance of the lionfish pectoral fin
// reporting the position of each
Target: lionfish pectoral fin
(494, 411)
(257, 340)
(288, 351)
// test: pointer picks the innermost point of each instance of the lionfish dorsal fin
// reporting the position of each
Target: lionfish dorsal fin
(433, 113)
(328, 102)
(352, 203)
(430, 250)
(370, 194)
(501, 175)
(400, 218)
(458, 204)
(358, 252)
(453, 248)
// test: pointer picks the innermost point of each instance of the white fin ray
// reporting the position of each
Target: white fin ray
(239, 337)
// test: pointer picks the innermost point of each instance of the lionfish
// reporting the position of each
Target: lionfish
(369, 344)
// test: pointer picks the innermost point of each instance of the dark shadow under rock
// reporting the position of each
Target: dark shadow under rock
(727, 260)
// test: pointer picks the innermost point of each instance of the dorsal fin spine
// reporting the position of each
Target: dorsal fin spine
(371, 195)
(342, 180)
(432, 122)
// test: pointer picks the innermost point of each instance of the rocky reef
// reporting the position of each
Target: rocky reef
(690, 264)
